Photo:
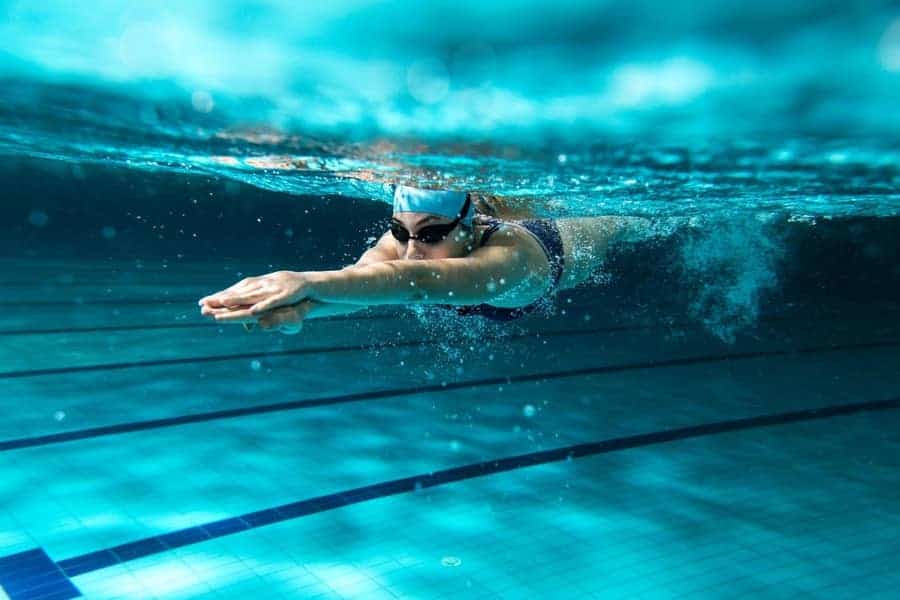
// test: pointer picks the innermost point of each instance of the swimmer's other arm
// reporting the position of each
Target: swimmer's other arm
(383, 250)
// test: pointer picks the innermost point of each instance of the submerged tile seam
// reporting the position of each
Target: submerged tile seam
(99, 302)
(139, 364)
(159, 544)
(95, 432)
(112, 328)
(395, 316)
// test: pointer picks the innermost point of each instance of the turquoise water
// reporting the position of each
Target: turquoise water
(621, 108)
(714, 416)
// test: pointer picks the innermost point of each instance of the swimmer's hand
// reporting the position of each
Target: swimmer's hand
(285, 319)
(253, 296)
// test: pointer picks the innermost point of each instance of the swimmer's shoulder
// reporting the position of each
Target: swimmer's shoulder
(384, 249)
(486, 229)
(514, 236)
(500, 232)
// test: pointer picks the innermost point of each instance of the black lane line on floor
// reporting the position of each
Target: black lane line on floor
(164, 301)
(141, 364)
(178, 361)
(50, 270)
(67, 286)
(76, 302)
(95, 432)
(572, 309)
(210, 325)
(114, 328)
(275, 354)
(93, 561)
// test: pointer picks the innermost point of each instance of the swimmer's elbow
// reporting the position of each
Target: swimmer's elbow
(423, 285)
(413, 283)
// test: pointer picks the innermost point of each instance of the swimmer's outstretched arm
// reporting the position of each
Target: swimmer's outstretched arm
(487, 274)
(474, 279)
(212, 306)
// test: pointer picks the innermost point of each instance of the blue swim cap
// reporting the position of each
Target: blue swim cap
(444, 203)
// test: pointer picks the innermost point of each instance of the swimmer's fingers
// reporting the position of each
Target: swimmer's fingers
(224, 297)
(271, 303)
(215, 301)
(212, 301)
(209, 311)
(241, 298)
(234, 315)
(287, 319)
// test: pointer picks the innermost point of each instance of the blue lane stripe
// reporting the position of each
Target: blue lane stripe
(79, 565)
(32, 575)
(95, 432)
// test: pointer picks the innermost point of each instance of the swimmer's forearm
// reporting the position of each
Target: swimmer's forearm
(320, 309)
(439, 281)
(377, 283)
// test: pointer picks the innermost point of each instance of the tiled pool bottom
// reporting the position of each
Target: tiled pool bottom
(96, 454)
(701, 518)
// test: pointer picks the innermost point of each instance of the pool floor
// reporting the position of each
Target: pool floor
(147, 453)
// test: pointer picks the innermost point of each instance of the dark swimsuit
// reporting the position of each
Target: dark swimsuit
(547, 234)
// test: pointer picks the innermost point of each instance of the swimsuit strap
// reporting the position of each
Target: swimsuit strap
(494, 225)
(546, 232)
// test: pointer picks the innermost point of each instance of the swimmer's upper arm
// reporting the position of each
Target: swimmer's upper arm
(384, 249)
(510, 271)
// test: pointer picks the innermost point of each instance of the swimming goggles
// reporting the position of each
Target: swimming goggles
(430, 234)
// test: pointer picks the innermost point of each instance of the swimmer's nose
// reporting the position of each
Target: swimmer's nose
(414, 250)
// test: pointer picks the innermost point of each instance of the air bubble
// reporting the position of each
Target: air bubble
(38, 218)
(202, 101)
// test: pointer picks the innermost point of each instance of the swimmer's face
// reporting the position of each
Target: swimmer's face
(457, 243)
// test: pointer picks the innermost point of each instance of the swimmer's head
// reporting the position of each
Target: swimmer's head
(432, 223)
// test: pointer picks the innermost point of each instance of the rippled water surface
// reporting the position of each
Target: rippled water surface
(591, 109)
